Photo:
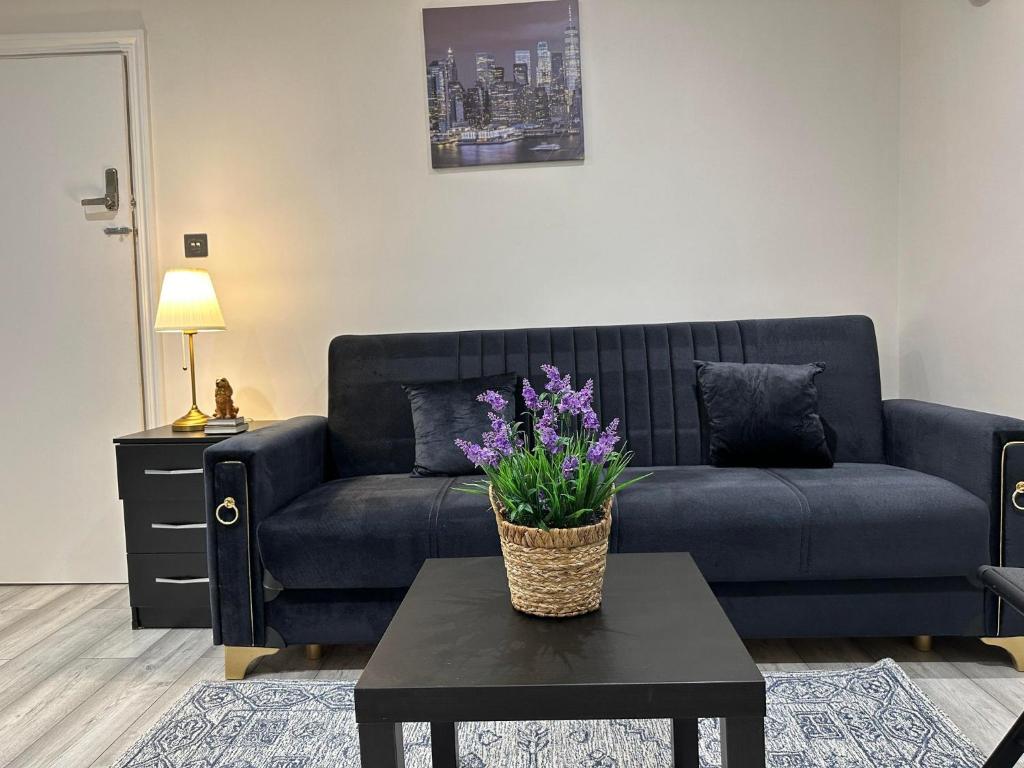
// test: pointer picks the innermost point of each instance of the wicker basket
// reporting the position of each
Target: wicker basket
(559, 572)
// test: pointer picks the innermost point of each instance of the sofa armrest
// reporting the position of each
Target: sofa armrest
(262, 471)
(964, 447)
(982, 453)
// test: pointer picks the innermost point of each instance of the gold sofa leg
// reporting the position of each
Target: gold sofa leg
(1012, 645)
(237, 659)
(314, 651)
(923, 643)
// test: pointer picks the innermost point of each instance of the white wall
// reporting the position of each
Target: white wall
(962, 203)
(741, 162)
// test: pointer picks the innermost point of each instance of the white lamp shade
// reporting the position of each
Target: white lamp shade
(188, 302)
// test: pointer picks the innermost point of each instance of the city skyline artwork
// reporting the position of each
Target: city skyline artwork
(504, 83)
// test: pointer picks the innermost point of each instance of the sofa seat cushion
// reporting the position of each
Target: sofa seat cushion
(374, 531)
(851, 521)
(879, 521)
(739, 523)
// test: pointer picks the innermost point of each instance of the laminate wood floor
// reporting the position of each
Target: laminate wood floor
(78, 685)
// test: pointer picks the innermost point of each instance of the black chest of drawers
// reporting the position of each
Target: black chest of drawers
(160, 482)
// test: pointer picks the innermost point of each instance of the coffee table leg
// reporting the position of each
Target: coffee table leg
(684, 744)
(742, 742)
(444, 745)
(380, 745)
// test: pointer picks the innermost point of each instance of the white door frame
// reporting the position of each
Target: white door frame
(132, 44)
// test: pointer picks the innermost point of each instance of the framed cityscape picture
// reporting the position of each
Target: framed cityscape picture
(504, 83)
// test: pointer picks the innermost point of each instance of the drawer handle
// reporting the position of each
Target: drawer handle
(181, 580)
(228, 503)
(173, 471)
(1017, 492)
(176, 526)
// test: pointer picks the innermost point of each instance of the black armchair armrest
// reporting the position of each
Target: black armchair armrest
(261, 471)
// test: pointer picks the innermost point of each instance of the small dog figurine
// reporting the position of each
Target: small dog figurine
(226, 408)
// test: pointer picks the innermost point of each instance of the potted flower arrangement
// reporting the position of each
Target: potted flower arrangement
(551, 492)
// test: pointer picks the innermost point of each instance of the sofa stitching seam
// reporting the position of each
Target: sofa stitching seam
(650, 395)
(575, 357)
(805, 506)
(672, 396)
(434, 517)
(601, 389)
(625, 394)
(551, 345)
(458, 356)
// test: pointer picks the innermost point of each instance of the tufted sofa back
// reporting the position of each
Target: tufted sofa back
(645, 375)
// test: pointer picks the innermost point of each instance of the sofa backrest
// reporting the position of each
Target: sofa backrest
(645, 375)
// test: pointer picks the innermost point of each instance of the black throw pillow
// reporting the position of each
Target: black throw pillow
(443, 411)
(763, 415)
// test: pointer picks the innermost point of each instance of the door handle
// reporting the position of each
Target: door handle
(181, 580)
(111, 199)
(196, 471)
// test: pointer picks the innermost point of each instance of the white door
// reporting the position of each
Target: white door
(70, 378)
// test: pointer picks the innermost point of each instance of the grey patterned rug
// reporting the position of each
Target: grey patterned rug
(873, 716)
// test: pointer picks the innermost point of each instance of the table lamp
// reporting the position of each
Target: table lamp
(188, 304)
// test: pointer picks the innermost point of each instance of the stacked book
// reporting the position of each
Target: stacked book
(226, 426)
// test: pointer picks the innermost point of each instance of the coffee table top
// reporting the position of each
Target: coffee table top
(660, 646)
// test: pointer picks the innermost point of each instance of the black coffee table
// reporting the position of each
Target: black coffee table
(659, 647)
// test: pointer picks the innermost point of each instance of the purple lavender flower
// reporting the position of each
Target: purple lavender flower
(493, 399)
(565, 426)
(598, 451)
(500, 436)
(547, 416)
(610, 435)
(499, 442)
(557, 383)
(530, 396)
(569, 466)
(549, 439)
(545, 428)
(612, 428)
(577, 402)
(478, 455)
(585, 397)
(497, 423)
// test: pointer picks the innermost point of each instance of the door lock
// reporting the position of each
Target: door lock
(110, 200)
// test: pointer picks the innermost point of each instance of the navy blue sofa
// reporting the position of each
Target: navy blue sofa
(332, 528)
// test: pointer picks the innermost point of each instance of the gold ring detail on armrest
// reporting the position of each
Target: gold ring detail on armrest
(229, 503)
(1018, 491)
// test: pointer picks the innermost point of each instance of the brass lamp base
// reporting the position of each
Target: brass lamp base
(193, 421)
